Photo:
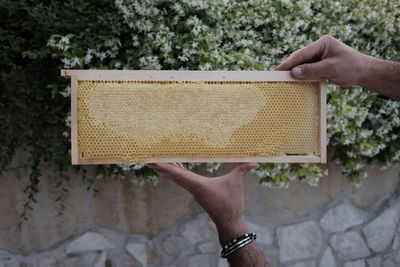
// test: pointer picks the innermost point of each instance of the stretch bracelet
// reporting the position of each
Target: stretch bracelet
(237, 243)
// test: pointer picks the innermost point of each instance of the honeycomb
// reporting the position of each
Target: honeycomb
(133, 121)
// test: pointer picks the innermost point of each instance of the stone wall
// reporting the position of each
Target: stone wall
(126, 224)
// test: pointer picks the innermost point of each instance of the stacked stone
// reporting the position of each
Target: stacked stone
(343, 235)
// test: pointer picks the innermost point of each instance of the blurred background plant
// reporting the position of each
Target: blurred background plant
(38, 38)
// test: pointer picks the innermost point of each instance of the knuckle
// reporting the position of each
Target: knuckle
(327, 38)
(298, 54)
(332, 67)
(328, 65)
(308, 70)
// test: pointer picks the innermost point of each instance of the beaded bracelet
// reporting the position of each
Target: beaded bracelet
(237, 243)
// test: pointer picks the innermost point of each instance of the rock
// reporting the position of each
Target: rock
(155, 257)
(349, 246)
(198, 229)
(210, 247)
(72, 262)
(5, 255)
(341, 218)
(389, 263)
(223, 262)
(264, 234)
(101, 260)
(299, 241)
(304, 264)
(396, 248)
(327, 259)
(119, 259)
(271, 254)
(374, 262)
(173, 245)
(201, 260)
(12, 263)
(88, 258)
(89, 241)
(47, 261)
(358, 263)
(138, 251)
(379, 232)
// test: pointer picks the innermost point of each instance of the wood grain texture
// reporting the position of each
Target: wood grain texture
(284, 159)
(161, 75)
(74, 121)
(322, 128)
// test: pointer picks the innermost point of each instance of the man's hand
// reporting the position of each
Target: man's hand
(326, 58)
(222, 198)
(329, 58)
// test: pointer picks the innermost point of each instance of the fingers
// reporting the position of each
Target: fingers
(241, 169)
(321, 69)
(311, 52)
(178, 164)
(181, 176)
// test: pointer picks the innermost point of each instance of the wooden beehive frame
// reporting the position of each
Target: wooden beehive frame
(146, 75)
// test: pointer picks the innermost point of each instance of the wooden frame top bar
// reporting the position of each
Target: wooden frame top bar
(186, 75)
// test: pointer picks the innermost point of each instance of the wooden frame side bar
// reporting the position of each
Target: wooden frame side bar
(190, 75)
(74, 121)
(322, 127)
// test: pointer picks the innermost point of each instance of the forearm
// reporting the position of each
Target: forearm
(249, 255)
(381, 76)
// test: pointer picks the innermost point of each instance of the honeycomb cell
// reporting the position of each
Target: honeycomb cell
(136, 120)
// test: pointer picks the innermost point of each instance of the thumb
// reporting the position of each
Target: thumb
(321, 69)
(242, 168)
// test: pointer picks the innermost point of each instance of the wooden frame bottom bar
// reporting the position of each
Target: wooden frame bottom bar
(282, 159)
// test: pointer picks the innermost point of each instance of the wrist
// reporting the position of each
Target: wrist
(231, 229)
(366, 70)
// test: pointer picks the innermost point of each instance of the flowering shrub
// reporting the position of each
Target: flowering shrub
(363, 127)
(247, 35)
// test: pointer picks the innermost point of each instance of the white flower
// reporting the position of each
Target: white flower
(138, 166)
(124, 167)
(206, 66)
(245, 42)
(66, 92)
(88, 58)
(101, 55)
(75, 61)
(183, 58)
(64, 39)
(212, 167)
(51, 42)
(68, 121)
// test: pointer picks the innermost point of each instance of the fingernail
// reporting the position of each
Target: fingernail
(296, 72)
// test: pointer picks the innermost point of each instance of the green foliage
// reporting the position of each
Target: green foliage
(32, 112)
(38, 38)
